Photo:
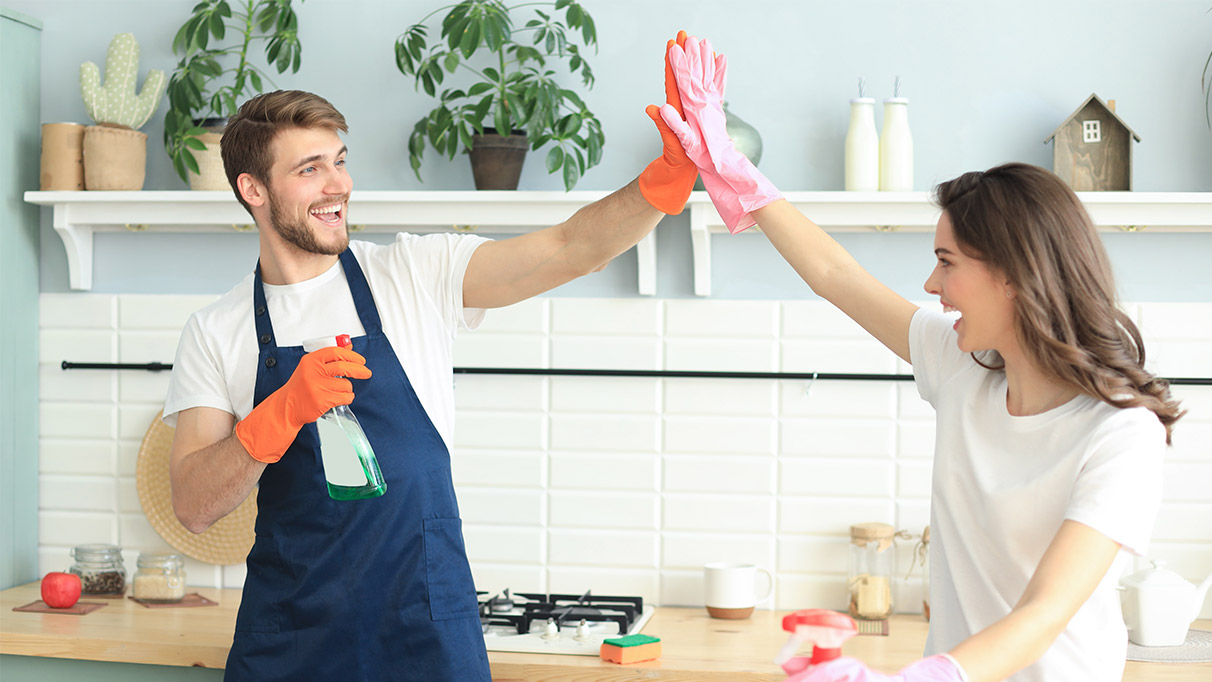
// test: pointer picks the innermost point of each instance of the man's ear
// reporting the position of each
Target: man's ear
(252, 190)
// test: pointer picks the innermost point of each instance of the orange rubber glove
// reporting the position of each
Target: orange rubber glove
(667, 181)
(317, 385)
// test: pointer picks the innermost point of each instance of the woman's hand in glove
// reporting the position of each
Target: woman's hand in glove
(940, 668)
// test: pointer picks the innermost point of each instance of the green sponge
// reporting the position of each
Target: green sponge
(631, 649)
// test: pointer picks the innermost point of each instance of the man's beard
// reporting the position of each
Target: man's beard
(299, 235)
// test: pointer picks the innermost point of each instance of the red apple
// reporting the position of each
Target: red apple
(61, 590)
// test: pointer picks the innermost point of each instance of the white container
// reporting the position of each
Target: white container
(896, 147)
(862, 147)
(1159, 605)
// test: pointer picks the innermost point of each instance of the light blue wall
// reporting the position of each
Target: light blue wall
(987, 83)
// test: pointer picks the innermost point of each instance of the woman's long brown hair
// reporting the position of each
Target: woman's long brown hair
(1025, 223)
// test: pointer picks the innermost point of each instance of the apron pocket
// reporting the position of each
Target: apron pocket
(452, 593)
(260, 604)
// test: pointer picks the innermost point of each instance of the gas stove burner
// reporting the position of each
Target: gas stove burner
(574, 613)
(502, 603)
(558, 623)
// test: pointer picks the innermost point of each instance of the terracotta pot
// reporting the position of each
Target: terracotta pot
(62, 157)
(496, 160)
(114, 158)
(211, 176)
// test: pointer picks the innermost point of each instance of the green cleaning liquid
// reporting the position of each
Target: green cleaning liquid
(350, 467)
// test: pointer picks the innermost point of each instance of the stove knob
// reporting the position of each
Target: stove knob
(582, 631)
(552, 631)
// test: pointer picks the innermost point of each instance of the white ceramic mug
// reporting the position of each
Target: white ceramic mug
(731, 589)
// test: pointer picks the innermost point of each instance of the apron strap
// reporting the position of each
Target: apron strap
(364, 301)
(265, 328)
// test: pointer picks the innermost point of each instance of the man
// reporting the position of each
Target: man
(381, 588)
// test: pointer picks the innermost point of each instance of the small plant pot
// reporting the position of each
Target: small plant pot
(496, 160)
(115, 158)
(62, 157)
(211, 176)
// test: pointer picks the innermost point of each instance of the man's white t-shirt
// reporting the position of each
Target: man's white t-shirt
(417, 285)
(1004, 484)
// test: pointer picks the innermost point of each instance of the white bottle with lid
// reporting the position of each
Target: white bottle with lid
(350, 466)
(896, 147)
(862, 147)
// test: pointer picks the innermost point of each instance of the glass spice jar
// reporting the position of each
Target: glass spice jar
(159, 578)
(100, 569)
(871, 570)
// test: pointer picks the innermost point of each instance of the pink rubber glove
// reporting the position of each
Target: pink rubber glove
(940, 668)
(736, 187)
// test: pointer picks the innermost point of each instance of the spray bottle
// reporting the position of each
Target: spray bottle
(826, 630)
(350, 467)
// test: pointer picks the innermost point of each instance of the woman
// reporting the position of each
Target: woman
(1050, 434)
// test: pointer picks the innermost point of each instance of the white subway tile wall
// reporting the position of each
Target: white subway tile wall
(616, 484)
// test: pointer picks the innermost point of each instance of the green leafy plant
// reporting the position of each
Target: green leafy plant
(513, 87)
(194, 90)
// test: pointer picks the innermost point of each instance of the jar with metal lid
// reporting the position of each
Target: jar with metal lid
(871, 567)
(159, 577)
(100, 569)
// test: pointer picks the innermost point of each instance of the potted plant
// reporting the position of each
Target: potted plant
(199, 104)
(514, 101)
(115, 152)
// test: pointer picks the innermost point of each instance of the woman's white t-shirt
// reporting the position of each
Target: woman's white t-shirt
(1004, 484)
(417, 285)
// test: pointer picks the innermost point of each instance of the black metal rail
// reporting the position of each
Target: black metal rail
(652, 373)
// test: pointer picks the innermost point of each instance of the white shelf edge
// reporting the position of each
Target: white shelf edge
(914, 212)
(79, 215)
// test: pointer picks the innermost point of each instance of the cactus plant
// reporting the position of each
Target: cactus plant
(116, 102)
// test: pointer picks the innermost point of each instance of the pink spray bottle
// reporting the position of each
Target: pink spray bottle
(826, 630)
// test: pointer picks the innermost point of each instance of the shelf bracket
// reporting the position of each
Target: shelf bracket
(700, 247)
(78, 242)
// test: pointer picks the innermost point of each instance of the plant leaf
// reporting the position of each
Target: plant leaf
(555, 157)
(595, 149)
(571, 175)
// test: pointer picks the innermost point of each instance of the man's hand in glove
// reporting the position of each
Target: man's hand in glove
(317, 385)
(667, 181)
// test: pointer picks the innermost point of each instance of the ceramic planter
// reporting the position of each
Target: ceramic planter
(496, 160)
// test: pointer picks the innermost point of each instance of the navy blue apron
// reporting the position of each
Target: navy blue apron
(376, 589)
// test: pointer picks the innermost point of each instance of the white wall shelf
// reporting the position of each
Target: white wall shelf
(78, 215)
(914, 212)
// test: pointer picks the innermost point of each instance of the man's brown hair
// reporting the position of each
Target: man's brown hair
(247, 144)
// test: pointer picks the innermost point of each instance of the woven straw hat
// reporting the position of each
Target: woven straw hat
(226, 542)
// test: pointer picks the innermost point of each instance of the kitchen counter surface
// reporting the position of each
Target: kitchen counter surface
(695, 647)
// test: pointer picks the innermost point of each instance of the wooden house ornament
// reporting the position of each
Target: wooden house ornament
(1093, 148)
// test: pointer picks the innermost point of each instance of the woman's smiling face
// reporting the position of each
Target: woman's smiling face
(984, 299)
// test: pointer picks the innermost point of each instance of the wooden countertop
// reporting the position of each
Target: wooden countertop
(695, 647)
